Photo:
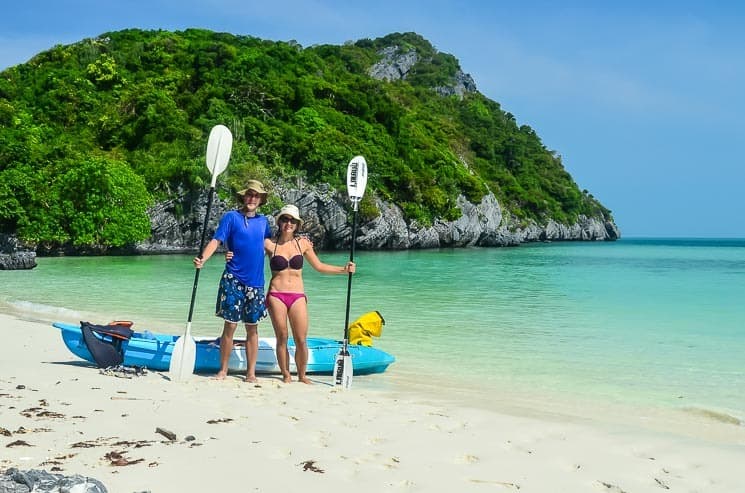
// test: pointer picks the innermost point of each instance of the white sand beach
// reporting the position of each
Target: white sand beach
(61, 414)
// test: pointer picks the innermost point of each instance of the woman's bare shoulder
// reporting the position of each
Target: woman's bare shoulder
(305, 243)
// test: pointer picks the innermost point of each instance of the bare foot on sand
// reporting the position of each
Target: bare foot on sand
(221, 375)
(251, 379)
(305, 380)
(287, 378)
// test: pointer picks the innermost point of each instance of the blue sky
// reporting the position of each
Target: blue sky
(645, 103)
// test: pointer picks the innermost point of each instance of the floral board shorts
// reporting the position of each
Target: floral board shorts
(237, 302)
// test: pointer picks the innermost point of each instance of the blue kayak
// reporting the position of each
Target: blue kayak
(153, 351)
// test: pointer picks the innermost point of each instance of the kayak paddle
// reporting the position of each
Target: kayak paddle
(184, 353)
(356, 183)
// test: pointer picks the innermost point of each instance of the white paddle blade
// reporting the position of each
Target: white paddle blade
(356, 178)
(183, 357)
(219, 146)
(343, 371)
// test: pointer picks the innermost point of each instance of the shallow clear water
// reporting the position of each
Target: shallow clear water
(638, 322)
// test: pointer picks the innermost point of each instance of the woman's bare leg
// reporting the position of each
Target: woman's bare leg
(278, 314)
(298, 315)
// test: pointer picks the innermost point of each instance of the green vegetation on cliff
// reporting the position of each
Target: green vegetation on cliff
(93, 133)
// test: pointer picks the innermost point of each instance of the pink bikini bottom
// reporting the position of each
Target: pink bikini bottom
(287, 298)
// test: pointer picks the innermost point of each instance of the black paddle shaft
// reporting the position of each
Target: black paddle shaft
(201, 247)
(349, 279)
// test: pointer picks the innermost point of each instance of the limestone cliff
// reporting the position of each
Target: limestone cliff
(327, 218)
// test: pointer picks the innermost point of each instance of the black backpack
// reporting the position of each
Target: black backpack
(106, 347)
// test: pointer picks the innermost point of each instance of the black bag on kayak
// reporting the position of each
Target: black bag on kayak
(106, 348)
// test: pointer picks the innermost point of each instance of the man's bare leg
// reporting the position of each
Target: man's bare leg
(226, 347)
(252, 351)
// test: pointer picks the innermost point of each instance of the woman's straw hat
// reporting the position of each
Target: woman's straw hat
(292, 211)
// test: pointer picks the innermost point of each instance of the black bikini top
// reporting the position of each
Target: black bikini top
(278, 262)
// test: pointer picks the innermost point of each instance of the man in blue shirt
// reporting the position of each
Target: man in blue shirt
(240, 297)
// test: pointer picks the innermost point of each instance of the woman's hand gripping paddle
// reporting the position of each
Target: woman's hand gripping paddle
(356, 183)
(184, 353)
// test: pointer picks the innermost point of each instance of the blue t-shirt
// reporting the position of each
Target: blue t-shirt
(244, 236)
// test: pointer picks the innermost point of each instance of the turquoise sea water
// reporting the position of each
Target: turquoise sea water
(634, 324)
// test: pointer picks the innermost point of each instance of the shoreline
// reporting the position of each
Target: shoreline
(691, 420)
(77, 420)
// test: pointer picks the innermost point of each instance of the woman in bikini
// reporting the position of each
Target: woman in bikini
(285, 298)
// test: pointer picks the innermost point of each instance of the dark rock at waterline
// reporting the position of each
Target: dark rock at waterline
(14, 255)
(17, 481)
(17, 261)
